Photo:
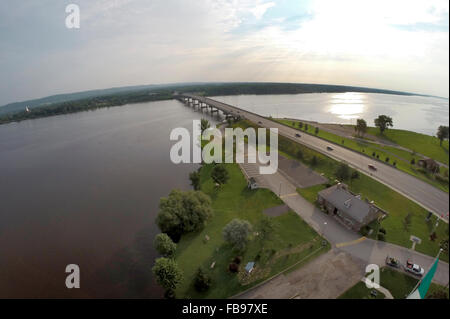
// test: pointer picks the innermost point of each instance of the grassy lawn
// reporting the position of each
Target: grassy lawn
(394, 203)
(360, 291)
(402, 158)
(398, 283)
(292, 240)
(420, 143)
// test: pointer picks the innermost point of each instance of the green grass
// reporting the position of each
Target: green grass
(402, 158)
(394, 203)
(420, 143)
(360, 291)
(398, 283)
(292, 240)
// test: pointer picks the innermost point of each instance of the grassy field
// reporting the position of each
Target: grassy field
(397, 231)
(292, 240)
(401, 158)
(360, 291)
(399, 285)
(420, 143)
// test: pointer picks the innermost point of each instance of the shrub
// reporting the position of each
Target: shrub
(381, 237)
(202, 281)
(237, 260)
(382, 230)
(164, 245)
(233, 267)
(237, 233)
(413, 161)
(219, 174)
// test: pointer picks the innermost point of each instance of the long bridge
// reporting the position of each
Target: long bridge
(422, 193)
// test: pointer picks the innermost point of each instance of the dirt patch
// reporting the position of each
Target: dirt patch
(276, 211)
(326, 277)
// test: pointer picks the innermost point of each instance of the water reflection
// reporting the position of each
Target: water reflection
(348, 105)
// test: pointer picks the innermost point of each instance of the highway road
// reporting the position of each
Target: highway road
(419, 191)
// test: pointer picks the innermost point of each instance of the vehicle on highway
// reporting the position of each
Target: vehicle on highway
(329, 148)
(391, 261)
(297, 135)
(372, 167)
(414, 268)
(259, 122)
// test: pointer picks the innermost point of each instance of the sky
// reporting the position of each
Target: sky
(387, 44)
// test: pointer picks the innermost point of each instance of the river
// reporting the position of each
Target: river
(84, 188)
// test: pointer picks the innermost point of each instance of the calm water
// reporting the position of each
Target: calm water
(419, 114)
(84, 188)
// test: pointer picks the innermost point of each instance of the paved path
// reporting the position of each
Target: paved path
(387, 294)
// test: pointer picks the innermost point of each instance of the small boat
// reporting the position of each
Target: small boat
(27, 109)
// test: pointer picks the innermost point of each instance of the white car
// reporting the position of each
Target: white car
(414, 269)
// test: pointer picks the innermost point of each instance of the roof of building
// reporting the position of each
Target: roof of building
(346, 202)
(249, 266)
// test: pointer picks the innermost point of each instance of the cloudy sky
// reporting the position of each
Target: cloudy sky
(393, 44)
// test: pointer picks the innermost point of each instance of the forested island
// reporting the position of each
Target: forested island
(91, 100)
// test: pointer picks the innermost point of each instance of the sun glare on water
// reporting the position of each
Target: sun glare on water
(347, 106)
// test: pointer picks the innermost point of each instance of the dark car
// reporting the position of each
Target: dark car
(259, 122)
(372, 167)
(329, 148)
(390, 261)
(297, 135)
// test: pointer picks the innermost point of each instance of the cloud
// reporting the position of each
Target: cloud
(127, 42)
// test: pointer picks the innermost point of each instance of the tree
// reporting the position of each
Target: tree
(355, 175)
(164, 245)
(383, 122)
(343, 172)
(167, 273)
(361, 127)
(316, 130)
(237, 233)
(306, 126)
(183, 212)
(314, 161)
(442, 133)
(299, 154)
(413, 161)
(219, 174)
(202, 281)
(195, 180)
(266, 228)
(204, 125)
(300, 125)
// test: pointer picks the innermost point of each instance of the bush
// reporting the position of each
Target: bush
(164, 245)
(413, 161)
(237, 260)
(387, 160)
(195, 180)
(202, 281)
(314, 161)
(381, 237)
(382, 230)
(167, 273)
(373, 154)
(441, 178)
(342, 172)
(219, 174)
(233, 267)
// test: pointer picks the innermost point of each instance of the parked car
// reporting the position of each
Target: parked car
(329, 148)
(390, 261)
(372, 167)
(414, 268)
(297, 135)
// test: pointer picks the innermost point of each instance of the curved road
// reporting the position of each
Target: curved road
(420, 192)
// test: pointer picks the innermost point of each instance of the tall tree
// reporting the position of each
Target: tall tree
(183, 212)
(442, 133)
(195, 180)
(167, 273)
(361, 126)
(383, 122)
(219, 174)
(204, 125)
(164, 245)
(342, 172)
(237, 233)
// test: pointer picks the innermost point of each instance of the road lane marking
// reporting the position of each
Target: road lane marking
(353, 242)
(288, 195)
